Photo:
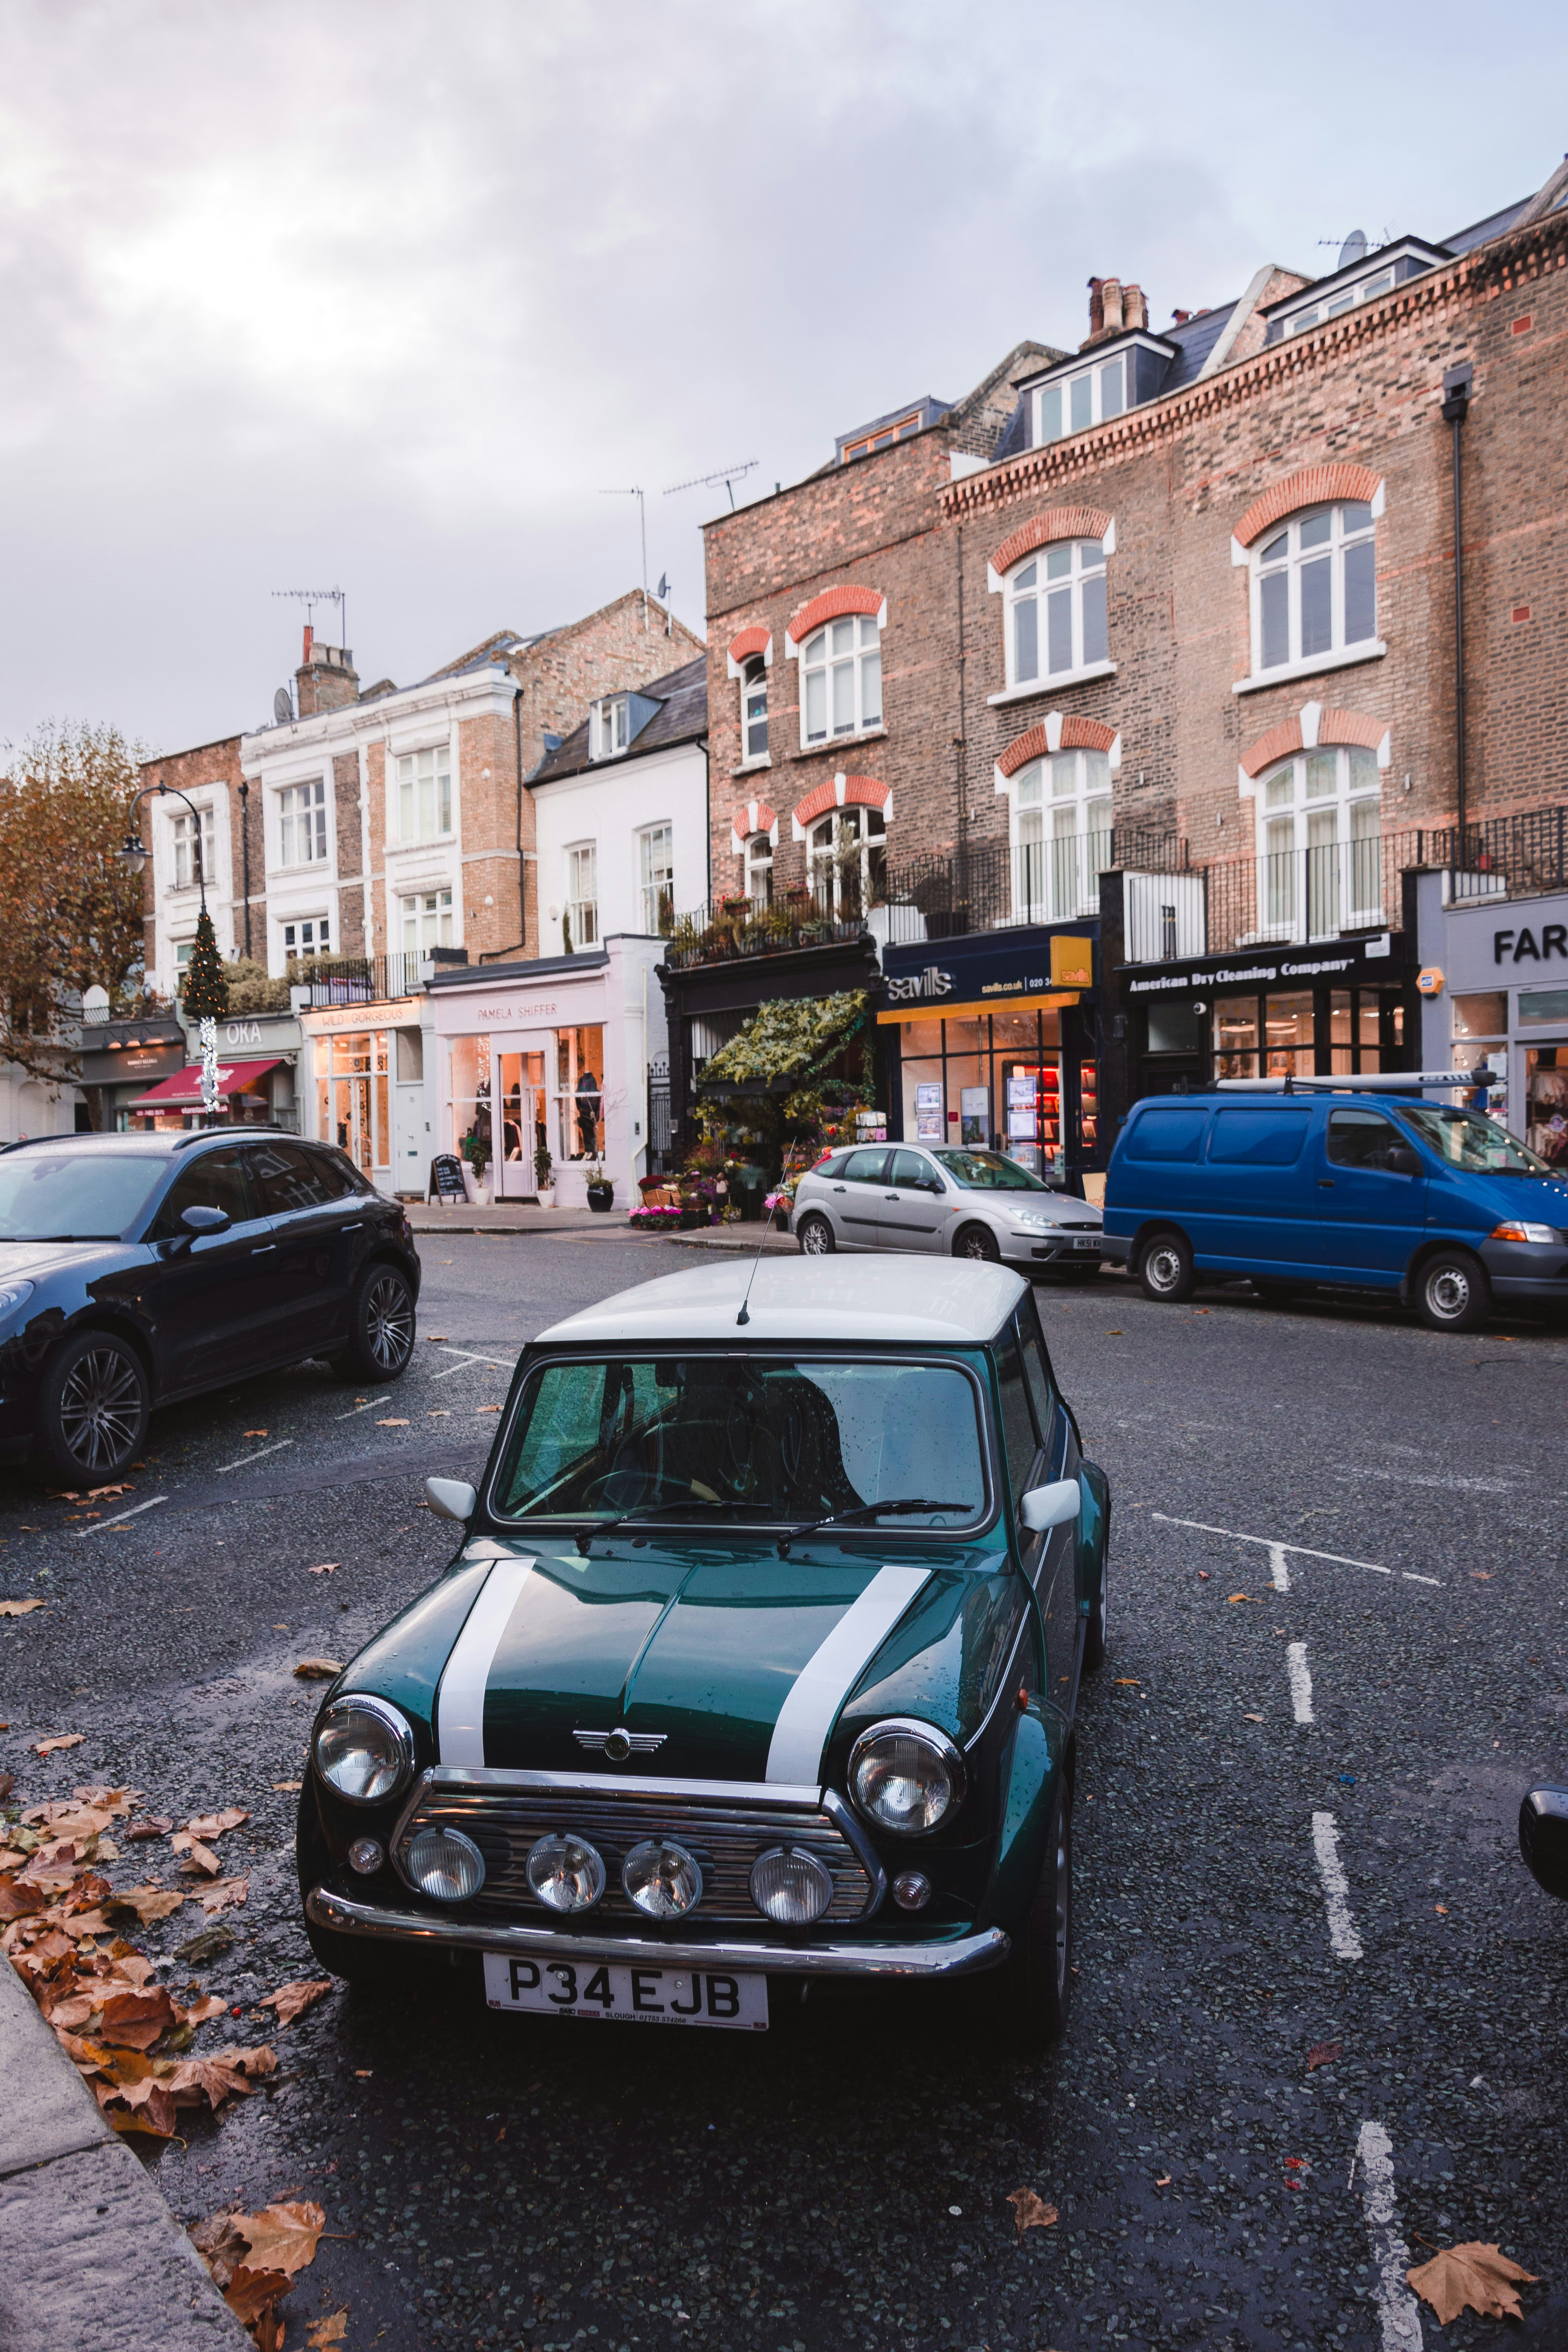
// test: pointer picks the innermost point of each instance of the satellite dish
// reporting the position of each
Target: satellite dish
(282, 708)
(1354, 248)
(663, 588)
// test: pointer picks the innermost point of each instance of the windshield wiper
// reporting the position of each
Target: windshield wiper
(57, 1237)
(655, 1511)
(902, 1504)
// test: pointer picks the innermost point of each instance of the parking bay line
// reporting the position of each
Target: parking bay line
(225, 1467)
(369, 1406)
(1300, 1682)
(151, 1505)
(469, 1357)
(1279, 1573)
(1342, 1935)
(1399, 2309)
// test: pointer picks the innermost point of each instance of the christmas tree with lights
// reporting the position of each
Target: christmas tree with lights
(206, 995)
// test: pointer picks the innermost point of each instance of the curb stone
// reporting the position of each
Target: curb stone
(89, 2253)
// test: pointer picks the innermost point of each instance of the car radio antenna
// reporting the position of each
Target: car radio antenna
(744, 1317)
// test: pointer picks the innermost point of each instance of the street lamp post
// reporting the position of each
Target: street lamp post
(134, 853)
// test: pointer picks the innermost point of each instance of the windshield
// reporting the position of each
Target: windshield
(762, 1439)
(1468, 1140)
(988, 1171)
(74, 1196)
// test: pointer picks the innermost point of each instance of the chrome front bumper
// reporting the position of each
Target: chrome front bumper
(964, 1956)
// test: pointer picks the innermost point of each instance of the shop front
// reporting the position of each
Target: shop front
(365, 1089)
(1341, 1009)
(994, 1041)
(122, 1059)
(539, 1071)
(1494, 991)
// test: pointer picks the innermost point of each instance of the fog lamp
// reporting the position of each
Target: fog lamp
(662, 1879)
(445, 1864)
(791, 1885)
(911, 1890)
(565, 1873)
(366, 1854)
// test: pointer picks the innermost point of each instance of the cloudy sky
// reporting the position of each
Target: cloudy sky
(387, 295)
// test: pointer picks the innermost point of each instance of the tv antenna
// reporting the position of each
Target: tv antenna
(728, 474)
(642, 518)
(311, 597)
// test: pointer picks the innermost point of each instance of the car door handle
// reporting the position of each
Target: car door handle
(263, 1249)
(890, 1196)
(840, 1188)
(1325, 1184)
(357, 1226)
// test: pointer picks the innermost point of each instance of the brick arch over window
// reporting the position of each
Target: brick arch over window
(1314, 485)
(832, 605)
(1056, 522)
(1055, 734)
(840, 791)
(754, 817)
(1312, 728)
(747, 642)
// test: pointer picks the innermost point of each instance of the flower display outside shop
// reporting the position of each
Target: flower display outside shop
(797, 1075)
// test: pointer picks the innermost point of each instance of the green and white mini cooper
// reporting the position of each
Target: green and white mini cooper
(758, 1662)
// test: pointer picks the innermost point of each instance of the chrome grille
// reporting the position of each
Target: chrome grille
(725, 1836)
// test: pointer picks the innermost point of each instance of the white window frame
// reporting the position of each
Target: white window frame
(1057, 867)
(760, 868)
(1280, 556)
(610, 727)
(580, 864)
(753, 684)
(426, 911)
(424, 785)
(1062, 567)
(851, 643)
(655, 875)
(1051, 406)
(182, 841)
(319, 922)
(1343, 299)
(1319, 831)
(302, 813)
(827, 879)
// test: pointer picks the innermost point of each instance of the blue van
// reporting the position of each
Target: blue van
(1301, 1185)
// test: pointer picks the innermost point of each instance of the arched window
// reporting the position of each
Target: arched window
(760, 870)
(1319, 843)
(1056, 611)
(847, 859)
(1061, 836)
(842, 688)
(753, 711)
(1314, 586)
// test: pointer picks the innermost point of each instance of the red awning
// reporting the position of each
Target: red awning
(183, 1090)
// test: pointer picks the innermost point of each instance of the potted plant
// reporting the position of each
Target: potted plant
(477, 1167)
(601, 1188)
(543, 1171)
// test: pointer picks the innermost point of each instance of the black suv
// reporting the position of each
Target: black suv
(138, 1268)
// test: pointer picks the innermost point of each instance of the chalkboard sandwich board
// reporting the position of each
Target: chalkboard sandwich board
(446, 1178)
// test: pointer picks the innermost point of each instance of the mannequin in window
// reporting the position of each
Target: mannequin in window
(588, 1113)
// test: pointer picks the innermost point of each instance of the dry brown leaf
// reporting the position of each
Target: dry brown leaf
(1031, 2212)
(287, 1788)
(198, 2013)
(64, 1739)
(134, 2020)
(206, 1825)
(290, 2001)
(392, 1424)
(327, 1568)
(107, 1801)
(282, 2237)
(1164, 2181)
(250, 2294)
(487, 1408)
(220, 2245)
(1471, 2277)
(226, 2074)
(149, 1903)
(17, 1901)
(157, 1825)
(226, 1895)
(1237, 1596)
(327, 2334)
(20, 1608)
(316, 1670)
(1252, 1718)
(198, 1856)
(258, 1432)
(1323, 2053)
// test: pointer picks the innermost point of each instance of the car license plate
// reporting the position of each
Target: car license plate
(1085, 1241)
(639, 1996)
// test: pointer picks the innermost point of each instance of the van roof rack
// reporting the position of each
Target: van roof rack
(1395, 1082)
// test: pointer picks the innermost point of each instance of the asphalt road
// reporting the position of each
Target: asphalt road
(1378, 1551)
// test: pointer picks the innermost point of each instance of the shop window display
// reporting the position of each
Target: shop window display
(998, 1081)
(354, 1109)
(1546, 1103)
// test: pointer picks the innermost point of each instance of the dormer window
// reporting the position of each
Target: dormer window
(1332, 297)
(885, 437)
(610, 728)
(1074, 403)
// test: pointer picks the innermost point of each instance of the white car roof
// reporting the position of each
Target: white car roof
(956, 1302)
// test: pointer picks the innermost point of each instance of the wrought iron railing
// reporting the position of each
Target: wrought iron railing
(360, 980)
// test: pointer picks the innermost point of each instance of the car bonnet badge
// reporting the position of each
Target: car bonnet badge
(619, 1744)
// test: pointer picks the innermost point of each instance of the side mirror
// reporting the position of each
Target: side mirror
(1049, 1507)
(1403, 1161)
(451, 1498)
(198, 1222)
(1543, 1839)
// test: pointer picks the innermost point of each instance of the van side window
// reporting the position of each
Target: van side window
(1259, 1139)
(1361, 1139)
(1167, 1135)
(1018, 1435)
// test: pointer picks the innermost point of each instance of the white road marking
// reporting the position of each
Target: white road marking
(812, 1703)
(369, 1406)
(507, 1364)
(1397, 2307)
(1336, 1887)
(260, 1453)
(1277, 1551)
(1300, 1682)
(151, 1505)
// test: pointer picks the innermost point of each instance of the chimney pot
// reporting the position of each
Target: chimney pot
(1134, 309)
(1110, 306)
(1096, 307)
(309, 633)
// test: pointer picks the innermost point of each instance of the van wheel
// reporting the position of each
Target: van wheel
(1452, 1293)
(814, 1235)
(977, 1241)
(1165, 1268)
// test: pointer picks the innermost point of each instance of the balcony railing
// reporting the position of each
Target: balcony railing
(361, 980)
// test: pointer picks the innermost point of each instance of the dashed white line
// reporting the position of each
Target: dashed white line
(151, 1505)
(1300, 1682)
(1277, 1551)
(1397, 2307)
(261, 1452)
(369, 1406)
(1343, 1934)
(506, 1363)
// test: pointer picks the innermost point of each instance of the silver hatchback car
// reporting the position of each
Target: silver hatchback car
(949, 1202)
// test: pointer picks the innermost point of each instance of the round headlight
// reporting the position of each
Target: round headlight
(791, 1885)
(364, 1749)
(662, 1879)
(565, 1873)
(445, 1864)
(906, 1777)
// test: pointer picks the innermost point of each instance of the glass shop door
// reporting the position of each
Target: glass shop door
(518, 1116)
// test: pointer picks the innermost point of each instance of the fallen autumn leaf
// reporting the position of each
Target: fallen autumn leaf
(20, 1608)
(225, 1894)
(1031, 2212)
(290, 2001)
(1471, 2277)
(325, 1569)
(65, 1739)
(327, 2334)
(392, 1424)
(1323, 2053)
(316, 1670)
(287, 1788)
